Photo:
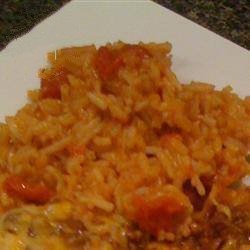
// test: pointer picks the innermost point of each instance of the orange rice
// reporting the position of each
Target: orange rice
(114, 153)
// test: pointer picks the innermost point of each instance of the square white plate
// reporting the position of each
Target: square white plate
(198, 54)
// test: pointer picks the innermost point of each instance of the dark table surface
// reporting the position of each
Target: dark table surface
(229, 18)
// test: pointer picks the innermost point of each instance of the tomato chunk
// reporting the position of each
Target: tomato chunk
(16, 187)
(107, 63)
(156, 212)
(51, 87)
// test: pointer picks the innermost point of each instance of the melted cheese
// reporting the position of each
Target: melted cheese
(30, 228)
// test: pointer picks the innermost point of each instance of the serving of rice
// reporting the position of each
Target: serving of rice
(112, 152)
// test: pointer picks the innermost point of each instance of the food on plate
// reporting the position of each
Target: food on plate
(113, 152)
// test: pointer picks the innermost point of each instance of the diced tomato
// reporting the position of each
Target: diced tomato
(51, 88)
(16, 187)
(107, 63)
(76, 150)
(158, 212)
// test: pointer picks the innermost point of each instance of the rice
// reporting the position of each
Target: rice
(113, 152)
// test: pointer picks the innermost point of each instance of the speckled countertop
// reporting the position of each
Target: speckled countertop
(229, 18)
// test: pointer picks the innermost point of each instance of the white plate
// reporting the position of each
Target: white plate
(198, 54)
